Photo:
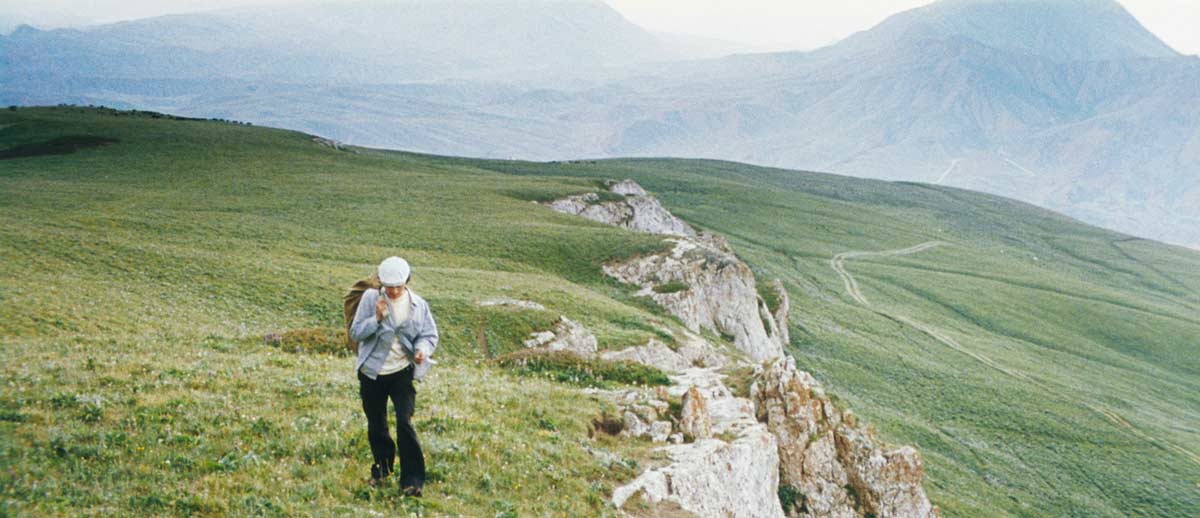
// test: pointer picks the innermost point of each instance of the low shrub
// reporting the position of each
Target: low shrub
(769, 295)
(790, 498)
(671, 287)
(568, 367)
(325, 340)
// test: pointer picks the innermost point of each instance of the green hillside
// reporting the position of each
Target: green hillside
(1042, 367)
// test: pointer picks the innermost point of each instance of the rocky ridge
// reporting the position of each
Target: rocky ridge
(725, 462)
(700, 279)
(786, 450)
(637, 211)
(837, 467)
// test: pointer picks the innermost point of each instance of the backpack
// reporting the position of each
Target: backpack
(350, 301)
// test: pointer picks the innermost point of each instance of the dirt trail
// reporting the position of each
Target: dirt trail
(838, 263)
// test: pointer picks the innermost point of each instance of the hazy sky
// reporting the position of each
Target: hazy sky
(762, 24)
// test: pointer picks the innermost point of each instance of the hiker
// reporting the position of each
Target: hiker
(396, 335)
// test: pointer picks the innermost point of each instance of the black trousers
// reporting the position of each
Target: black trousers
(375, 393)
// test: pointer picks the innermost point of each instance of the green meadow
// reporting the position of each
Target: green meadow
(1043, 367)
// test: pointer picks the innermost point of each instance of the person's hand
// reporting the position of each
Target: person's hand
(420, 356)
(380, 308)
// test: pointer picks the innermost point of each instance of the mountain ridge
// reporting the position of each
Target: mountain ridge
(1026, 26)
(362, 41)
(1104, 134)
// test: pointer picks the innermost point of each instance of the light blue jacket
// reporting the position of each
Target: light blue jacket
(375, 337)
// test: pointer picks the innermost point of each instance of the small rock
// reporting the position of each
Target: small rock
(634, 425)
(659, 431)
(694, 419)
(539, 339)
(567, 335)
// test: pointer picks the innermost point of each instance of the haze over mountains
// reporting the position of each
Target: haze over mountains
(1069, 104)
(367, 41)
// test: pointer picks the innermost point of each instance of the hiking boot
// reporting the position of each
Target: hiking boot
(413, 491)
(378, 474)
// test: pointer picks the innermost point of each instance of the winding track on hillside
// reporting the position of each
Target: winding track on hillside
(838, 263)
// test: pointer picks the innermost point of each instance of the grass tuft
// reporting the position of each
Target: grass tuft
(671, 287)
(320, 340)
(568, 367)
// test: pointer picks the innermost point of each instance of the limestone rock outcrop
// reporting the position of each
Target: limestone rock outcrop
(640, 415)
(330, 143)
(733, 473)
(700, 280)
(703, 283)
(567, 335)
(633, 210)
(735, 456)
(643, 422)
(836, 468)
(694, 419)
(831, 466)
(653, 353)
(694, 352)
(714, 478)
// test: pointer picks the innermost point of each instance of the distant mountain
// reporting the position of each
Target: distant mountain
(1062, 30)
(1070, 104)
(366, 41)
(1113, 142)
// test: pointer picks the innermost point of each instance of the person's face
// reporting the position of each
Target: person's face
(394, 292)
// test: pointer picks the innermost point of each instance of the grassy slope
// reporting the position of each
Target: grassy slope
(1059, 321)
(137, 279)
(189, 236)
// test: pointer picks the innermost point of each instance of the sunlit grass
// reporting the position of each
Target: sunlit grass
(139, 278)
(236, 428)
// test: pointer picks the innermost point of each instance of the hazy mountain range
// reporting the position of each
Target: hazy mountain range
(1070, 104)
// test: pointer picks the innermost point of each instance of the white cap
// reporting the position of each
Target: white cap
(394, 271)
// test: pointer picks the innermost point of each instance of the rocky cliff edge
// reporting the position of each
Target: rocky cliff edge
(784, 450)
